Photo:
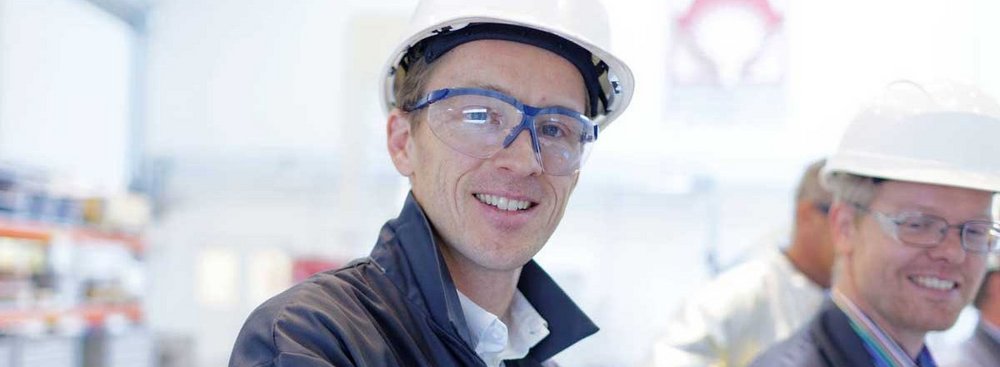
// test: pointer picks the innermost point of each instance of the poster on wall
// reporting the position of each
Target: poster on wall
(727, 63)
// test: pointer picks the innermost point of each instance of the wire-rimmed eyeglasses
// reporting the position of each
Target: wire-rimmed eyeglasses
(925, 230)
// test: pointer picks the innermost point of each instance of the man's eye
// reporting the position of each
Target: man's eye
(476, 115)
(979, 230)
(916, 224)
(552, 130)
(973, 231)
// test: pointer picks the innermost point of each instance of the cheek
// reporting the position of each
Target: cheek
(562, 187)
(975, 266)
(869, 253)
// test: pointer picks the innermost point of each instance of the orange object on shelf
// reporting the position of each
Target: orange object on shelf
(44, 232)
(27, 231)
(133, 242)
(93, 314)
(96, 314)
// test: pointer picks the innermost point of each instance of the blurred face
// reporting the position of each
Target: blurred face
(825, 250)
(489, 214)
(814, 223)
(909, 290)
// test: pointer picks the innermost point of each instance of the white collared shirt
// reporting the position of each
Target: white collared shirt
(495, 341)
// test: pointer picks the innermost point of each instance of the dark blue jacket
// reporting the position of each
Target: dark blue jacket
(398, 307)
(827, 341)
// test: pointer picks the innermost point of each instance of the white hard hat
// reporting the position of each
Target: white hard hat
(584, 23)
(942, 133)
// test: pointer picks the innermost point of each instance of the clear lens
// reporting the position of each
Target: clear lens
(477, 125)
(920, 229)
(472, 124)
(980, 236)
(928, 230)
(561, 139)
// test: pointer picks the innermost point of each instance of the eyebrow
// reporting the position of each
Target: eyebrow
(499, 89)
(495, 88)
(985, 216)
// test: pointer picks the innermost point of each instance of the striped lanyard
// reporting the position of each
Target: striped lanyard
(885, 352)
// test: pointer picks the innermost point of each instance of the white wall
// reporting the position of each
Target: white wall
(65, 69)
(266, 114)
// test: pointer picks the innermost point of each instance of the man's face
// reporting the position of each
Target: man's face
(826, 253)
(905, 288)
(453, 188)
(815, 224)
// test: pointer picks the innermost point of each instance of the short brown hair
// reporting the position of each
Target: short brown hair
(809, 186)
(853, 189)
(411, 84)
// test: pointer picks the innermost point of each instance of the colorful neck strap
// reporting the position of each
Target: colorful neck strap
(885, 352)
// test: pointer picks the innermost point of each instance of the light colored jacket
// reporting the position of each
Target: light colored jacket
(982, 349)
(739, 315)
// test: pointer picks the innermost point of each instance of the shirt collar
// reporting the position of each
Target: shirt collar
(495, 341)
(407, 253)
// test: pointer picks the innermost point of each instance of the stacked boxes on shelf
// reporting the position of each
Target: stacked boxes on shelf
(71, 276)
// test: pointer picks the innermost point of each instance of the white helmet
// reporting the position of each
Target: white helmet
(943, 133)
(583, 23)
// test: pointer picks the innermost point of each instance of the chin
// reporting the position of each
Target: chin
(504, 263)
(939, 322)
(942, 325)
(498, 260)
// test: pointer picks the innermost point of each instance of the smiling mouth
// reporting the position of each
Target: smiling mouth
(934, 283)
(504, 203)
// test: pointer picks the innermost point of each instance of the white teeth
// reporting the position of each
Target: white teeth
(503, 203)
(933, 282)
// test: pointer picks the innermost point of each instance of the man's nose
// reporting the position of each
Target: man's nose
(950, 248)
(519, 155)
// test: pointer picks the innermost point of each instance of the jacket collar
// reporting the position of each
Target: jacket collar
(408, 255)
(840, 343)
(837, 340)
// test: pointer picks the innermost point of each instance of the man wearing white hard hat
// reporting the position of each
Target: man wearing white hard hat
(492, 107)
(914, 219)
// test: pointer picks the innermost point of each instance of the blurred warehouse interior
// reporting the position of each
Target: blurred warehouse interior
(167, 165)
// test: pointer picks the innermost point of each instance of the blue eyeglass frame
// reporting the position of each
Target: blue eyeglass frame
(529, 112)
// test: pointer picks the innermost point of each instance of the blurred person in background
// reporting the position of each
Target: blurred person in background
(914, 218)
(492, 106)
(983, 348)
(761, 302)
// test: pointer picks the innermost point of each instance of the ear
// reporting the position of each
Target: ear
(398, 140)
(842, 228)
